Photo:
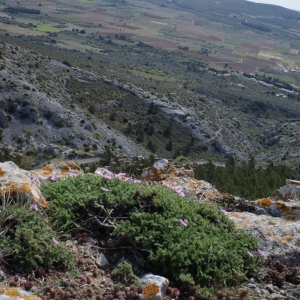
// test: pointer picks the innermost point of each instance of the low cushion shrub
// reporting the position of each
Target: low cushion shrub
(175, 236)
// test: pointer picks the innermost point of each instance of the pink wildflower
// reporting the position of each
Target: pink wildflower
(54, 177)
(35, 207)
(224, 211)
(104, 189)
(137, 181)
(107, 176)
(36, 178)
(73, 174)
(55, 241)
(250, 254)
(182, 222)
(260, 252)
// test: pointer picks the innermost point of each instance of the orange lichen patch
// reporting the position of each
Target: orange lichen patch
(271, 223)
(279, 239)
(47, 170)
(287, 238)
(27, 297)
(190, 173)
(154, 175)
(269, 233)
(44, 203)
(74, 166)
(1, 172)
(265, 202)
(2, 289)
(12, 292)
(65, 169)
(15, 188)
(210, 195)
(199, 183)
(150, 290)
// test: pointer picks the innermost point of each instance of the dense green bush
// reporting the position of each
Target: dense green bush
(30, 241)
(208, 251)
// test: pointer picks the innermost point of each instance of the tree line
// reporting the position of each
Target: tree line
(245, 180)
(24, 10)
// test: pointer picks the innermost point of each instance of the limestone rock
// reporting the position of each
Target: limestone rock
(164, 173)
(286, 192)
(289, 210)
(15, 293)
(278, 239)
(154, 287)
(17, 183)
(57, 170)
(102, 261)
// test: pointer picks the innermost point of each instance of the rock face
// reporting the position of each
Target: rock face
(23, 185)
(56, 170)
(164, 173)
(286, 192)
(17, 183)
(278, 239)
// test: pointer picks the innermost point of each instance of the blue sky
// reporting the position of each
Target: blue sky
(291, 4)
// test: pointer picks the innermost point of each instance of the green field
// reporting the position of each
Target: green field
(50, 29)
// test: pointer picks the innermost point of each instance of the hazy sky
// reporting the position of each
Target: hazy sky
(291, 4)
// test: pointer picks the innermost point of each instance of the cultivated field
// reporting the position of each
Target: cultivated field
(161, 26)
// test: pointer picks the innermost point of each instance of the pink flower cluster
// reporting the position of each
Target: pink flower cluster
(120, 176)
(259, 252)
(176, 188)
(54, 177)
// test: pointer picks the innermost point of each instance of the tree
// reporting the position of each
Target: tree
(230, 165)
(129, 128)
(151, 146)
(169, 146)
(168, 129)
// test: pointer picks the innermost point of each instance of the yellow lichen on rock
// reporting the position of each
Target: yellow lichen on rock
(12, 292)
(287, 238)
(150, 290)
(265, 202)
(16, 293)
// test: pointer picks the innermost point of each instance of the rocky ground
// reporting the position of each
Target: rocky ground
(277, 235)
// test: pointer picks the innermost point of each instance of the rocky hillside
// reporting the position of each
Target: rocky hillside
(50, 109)
(36, 114)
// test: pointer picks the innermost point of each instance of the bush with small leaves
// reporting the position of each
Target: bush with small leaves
(174, 236)
(29, 240)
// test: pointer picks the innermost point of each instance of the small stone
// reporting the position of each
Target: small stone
(265, 292)
(252, 280)
(102, 261)
(153, 287)
(274, 211)
(260, 211)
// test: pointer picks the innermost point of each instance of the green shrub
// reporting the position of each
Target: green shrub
(125, 274)
(209, 251)
(70, 198)
(28, 240)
